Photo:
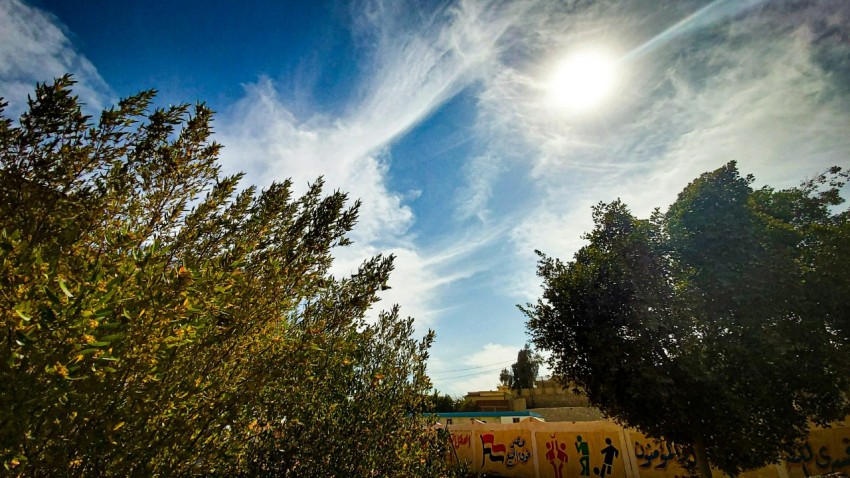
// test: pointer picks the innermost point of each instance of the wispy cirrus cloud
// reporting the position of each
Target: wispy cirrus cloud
(34, 47)
(481, 173)
(413, 61)
(764, 85)
(734, 87)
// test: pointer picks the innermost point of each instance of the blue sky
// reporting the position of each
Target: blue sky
(449, 120)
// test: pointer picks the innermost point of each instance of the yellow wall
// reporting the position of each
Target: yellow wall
(553, 450)
(826, 451)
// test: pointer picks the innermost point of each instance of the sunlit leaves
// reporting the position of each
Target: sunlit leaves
(157, 321)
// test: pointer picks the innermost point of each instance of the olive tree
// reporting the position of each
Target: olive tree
(156, 320)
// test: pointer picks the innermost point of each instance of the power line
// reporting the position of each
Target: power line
(471, 374)
(473, 368)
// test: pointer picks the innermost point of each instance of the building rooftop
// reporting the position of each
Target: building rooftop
(570, 414)
(523, 413)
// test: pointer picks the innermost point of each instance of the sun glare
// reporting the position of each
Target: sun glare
(582, 81)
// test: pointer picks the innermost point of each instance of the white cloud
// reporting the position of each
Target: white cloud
(413, 64)
(768, 105)
(477, 369)
(774, 122)
(481, 172)
(552, 228)
(750, 88)
(266, 141)
(422, 275)
(35, 48)
(415, 283)
(687, 107)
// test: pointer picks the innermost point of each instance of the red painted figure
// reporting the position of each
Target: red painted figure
(557, 455)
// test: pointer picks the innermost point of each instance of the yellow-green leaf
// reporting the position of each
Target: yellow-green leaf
(22, 315)
(64, 287)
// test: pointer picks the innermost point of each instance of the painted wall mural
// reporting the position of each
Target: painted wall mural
(508, 453)
(655, 459)
(602, 449)
(462, 443)
(826, 451)
(666, 453)
(582, 453)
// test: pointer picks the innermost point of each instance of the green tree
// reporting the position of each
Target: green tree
(716, 325)
(506, 378)
(157, 321)
(442, 402)
(524, 371)
(464, 404)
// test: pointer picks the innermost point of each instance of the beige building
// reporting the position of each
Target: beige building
(548, 399)
(501, 400)
(545, 394)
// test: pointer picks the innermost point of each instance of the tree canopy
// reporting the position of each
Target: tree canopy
(719, 325)
(523, 372)
(157, 321)
(443, 402)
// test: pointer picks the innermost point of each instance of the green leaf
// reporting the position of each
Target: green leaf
(111, 337)
(20, 311)
(64, 287)
(103, 313)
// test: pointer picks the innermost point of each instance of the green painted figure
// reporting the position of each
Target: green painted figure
(584, 460)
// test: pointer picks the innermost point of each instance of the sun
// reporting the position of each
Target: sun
(581, 81)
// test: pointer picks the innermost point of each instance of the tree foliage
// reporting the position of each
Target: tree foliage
(506, 378)
(157, 321)
(523, 372)
(443, 403)
(720, 325)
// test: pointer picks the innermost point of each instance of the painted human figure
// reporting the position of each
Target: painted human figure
(584, 459)
(562, 452)
(557, 456)
(608, 462)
